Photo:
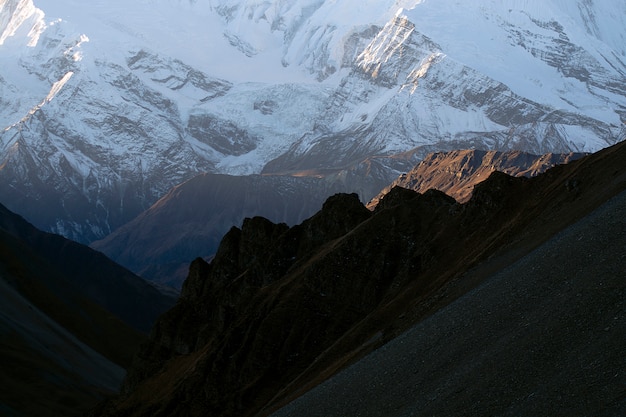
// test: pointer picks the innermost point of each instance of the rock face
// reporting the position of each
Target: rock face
(542, 337)
(280, 309)
(260, 256)
(457, 172)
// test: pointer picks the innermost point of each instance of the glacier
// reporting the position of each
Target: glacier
(106, 105)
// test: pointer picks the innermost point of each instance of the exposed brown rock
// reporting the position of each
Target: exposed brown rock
(457, 172)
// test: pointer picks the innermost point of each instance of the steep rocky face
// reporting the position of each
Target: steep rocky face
(192, 218)
(259, 256)
(457, 172)
(265, 277)
(507, 347)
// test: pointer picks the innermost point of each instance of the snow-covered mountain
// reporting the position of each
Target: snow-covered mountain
(106, 105)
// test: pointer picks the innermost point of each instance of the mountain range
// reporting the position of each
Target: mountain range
(69, 312)
(511, 302)
(106, 106)
(484, 276)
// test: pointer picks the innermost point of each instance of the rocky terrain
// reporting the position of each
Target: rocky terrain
(542, 337)
(281, 309)
(229, 109)
(191, 219)
(457, 172)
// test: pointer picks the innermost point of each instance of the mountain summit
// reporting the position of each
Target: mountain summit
(107, 105)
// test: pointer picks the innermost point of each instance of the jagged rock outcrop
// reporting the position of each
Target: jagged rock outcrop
(457, 172)
(243, 307)
(280, 309)
(190, 220)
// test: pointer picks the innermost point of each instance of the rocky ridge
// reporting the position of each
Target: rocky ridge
(191, 219)
(541, 337)
(457, 172)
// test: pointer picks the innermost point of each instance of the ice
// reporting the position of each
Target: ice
(193, 33)
(26, 22)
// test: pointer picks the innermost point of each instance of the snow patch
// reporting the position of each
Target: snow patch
(57, 86)
(421, 70)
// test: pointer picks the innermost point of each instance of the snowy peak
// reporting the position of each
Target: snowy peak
(20, 19)
(505, 78)
(38, 59)
(321, 37)
(384, 59)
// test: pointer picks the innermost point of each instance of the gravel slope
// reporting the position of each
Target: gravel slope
(545, 336)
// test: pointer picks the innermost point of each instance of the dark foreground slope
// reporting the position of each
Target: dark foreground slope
(46, 370)
(87, 271)
(280, 310)
(70, 321)
(543, 337)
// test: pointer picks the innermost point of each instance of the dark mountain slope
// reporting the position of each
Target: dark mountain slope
(70, 321)
(45, 370)
(543, 337)
(281, 309)
(91, 273)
